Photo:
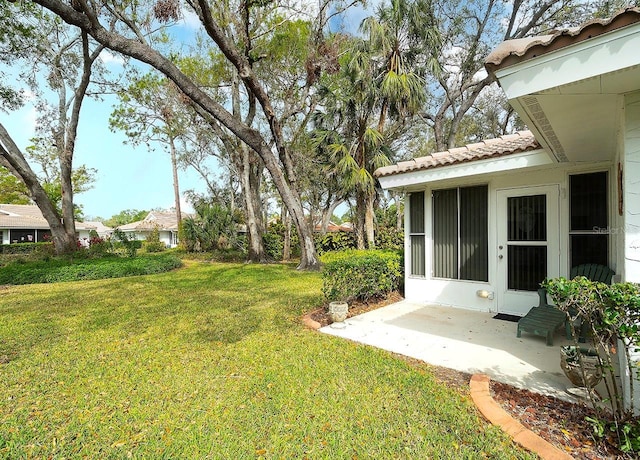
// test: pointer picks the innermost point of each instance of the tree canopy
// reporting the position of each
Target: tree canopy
(280, 95)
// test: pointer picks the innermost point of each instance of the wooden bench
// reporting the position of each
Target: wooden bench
(543, 320)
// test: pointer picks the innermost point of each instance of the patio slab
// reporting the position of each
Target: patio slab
(464, 340)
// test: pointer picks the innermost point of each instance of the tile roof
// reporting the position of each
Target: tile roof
(155, 219)
(511, 52)
(27, 216)
(98, 226)
(521, 141)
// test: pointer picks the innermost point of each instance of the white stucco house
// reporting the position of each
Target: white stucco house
(486, 223)
(25, 224)
(165, 222)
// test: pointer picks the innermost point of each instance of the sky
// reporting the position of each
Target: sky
(127, 177)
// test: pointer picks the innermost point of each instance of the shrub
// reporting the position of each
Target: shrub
(390, 238)
(131, 245)
(153, 243)
(57, 270)
(361, 275)
(273, 245)
(214, 227)
(610, 313)
(273, 241)
(27, 248)
(98, 247)
(335, 241)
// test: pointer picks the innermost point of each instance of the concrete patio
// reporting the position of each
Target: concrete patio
(464, 340)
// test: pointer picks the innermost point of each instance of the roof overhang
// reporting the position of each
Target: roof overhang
(571, 98)
(416, 180)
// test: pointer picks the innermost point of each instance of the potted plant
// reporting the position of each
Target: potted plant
(338, 312)
(581, 365)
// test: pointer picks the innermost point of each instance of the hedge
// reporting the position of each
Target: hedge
(26, 248)
(360, 274)
(53, 271)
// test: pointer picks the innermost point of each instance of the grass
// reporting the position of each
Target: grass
(210, 361)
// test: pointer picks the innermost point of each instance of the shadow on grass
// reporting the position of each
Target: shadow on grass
(212, 303)
(226, 328)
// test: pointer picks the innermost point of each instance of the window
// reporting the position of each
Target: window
(416, 233)
(460, 233)
(589, 231)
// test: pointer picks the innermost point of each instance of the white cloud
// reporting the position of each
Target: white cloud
(189, 19)
(109, 58)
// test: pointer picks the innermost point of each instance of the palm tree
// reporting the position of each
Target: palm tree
(379, 90)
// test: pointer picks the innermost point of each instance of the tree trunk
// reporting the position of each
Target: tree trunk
(250, 178)
(68, 218)
(360, 215)
(13, 160)
(369, 222)
(399, 213)
(327, 214)
(176, 185)
(286, 249)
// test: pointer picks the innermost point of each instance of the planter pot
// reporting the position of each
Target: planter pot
(338, 311)
(570, 364)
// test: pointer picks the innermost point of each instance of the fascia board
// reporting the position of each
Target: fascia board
(590, 58)
(473, 168)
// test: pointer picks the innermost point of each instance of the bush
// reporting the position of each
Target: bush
(273, 241)
(273, 245)
(98, 246)
(335, 241)
(57, 270)
(130, 245)
(153, 243)
(610, 313)
(215, 227)
(27, 248)
(361, 275)
(390, 238)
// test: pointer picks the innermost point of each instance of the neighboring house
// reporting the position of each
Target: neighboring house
(24, 223)
(333, 227)
(486, 223)
(101, 229)
(165, 222)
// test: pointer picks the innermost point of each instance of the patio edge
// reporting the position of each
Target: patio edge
(481, 396)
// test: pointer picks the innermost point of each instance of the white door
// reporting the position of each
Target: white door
(528, 245)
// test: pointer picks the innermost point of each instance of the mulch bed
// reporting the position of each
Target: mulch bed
(321, 315)
(558, 422)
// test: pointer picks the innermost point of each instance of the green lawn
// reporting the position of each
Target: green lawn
(211, 361)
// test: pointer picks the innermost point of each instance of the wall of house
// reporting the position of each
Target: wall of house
(164, 235)
(631, 187)
(630, 160)
(464, 294)
(166, 238)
